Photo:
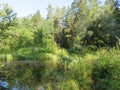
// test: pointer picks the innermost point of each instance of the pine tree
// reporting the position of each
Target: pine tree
(37, 20)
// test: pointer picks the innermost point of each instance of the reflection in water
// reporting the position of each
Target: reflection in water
(21, 75)
(18, 86)
(3, 85)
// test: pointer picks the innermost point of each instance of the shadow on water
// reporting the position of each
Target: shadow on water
(21, 75)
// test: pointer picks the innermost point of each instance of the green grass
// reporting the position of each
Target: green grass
(98, 70)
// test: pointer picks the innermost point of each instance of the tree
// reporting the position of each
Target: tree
(54, 21)
(76, 20)
(103, 31)
(91, 24)
(7, 17)
(26, 22)
(37, 20)
(50, 12)
(117, 4)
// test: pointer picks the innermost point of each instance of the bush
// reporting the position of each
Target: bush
(106, 73)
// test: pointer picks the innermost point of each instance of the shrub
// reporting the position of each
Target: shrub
(106, 73)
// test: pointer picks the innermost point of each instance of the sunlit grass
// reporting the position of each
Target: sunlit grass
(66, 71)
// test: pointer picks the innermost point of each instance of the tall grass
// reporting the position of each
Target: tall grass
(92, 71)
(98, 70)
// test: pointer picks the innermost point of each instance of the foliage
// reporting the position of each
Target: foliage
(105, 72)
(73, 49)
(7, 18)
(91, 24)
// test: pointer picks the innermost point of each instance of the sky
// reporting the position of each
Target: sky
(27, 7)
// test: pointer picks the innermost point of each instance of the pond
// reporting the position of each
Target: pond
(5, 86)
(22, 75)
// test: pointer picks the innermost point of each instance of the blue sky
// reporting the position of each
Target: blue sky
(27, 7)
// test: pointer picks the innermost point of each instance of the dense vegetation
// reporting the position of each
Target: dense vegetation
(77, 48)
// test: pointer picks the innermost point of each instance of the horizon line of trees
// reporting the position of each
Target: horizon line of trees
(86, 23)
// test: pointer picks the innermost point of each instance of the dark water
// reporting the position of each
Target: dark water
(5, 86)
(22, 75)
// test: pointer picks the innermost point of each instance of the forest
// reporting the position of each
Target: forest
(74, 48)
